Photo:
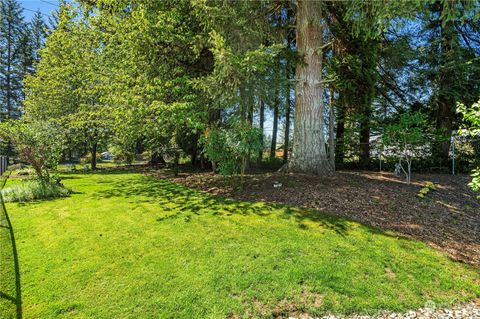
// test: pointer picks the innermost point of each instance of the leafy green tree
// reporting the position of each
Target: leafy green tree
(156, 75)
(39, 143)
(247, 42)
(69, 82)
(154, 51)
(407, 139)
(471, 117)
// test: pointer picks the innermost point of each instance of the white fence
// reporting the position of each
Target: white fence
(3, 164)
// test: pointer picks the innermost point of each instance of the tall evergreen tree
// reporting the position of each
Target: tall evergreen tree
(38, 32)
(309, 151)
(12, 26)
(354, 64)
(452, 65)
(25, 54)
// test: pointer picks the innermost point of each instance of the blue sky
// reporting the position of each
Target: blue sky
(45, 6)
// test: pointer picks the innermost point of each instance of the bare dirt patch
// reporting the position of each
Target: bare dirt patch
(447, 219)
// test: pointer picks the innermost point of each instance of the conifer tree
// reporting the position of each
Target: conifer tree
(12, 26)
(38, 32)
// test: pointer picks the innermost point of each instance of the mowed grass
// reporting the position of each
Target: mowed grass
(129, 246)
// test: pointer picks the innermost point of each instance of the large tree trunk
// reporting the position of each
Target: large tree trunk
(93, 160)
(262, 122)
(214, 117)
(243, 103)
(250, 101)
(193, 156)
(444, 119)
(290, 71)
(445, 102)
(365, 136)
(273, 146)
(331, 126)
(309, 152)
(287, 122)
(340, 134)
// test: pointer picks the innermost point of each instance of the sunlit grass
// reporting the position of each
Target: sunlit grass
(129, 246)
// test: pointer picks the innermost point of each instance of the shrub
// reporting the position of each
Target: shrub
(429, 186)
(471, 117)
(26, 171)
(34, 189)
(275, 162)
(87, 159)
(17, 166)
(39, 143)
(475, 183)
(232, 148)
(124, 157)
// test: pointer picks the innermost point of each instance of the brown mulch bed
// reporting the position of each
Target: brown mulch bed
(448, 218)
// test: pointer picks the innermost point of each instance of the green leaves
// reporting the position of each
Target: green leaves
(408, 132)
(471, 116)
(231, 147)
(39, 143)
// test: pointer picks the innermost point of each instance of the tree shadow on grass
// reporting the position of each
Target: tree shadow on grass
(98, 171)
(184, 203)
(9, 262)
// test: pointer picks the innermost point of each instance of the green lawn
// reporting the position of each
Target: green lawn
(129, 246)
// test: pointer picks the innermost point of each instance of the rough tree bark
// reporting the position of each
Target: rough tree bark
(243, 103)
(261, 124)
(290, 71)
(365, 136)
(287, 123)
(445, 102)
(250, 102)
(309, 152)
(273, 146)
(331, 126)
(93, 160)
(340, 134)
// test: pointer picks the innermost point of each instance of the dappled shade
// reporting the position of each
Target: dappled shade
(131, 244)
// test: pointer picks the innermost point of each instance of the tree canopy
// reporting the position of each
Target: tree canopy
(151, 76)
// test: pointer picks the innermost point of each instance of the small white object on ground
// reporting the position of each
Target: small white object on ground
(277, 184)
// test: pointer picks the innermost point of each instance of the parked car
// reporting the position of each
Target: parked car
(106, 156)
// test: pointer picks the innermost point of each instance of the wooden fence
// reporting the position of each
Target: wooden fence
(3, 164)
